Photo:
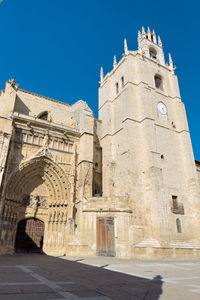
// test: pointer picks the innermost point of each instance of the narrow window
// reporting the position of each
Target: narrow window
(117, 88)
(152, 53)
(158, 82)
(175, 202)
(122, 79)
(178, 225)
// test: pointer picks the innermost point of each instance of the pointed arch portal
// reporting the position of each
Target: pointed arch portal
(35, 172)
(38, 189)
(29, 236)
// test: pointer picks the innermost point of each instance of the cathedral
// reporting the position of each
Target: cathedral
(125, 184)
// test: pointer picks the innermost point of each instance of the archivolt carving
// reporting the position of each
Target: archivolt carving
(48, 172)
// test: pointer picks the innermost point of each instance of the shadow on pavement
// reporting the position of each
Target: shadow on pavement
(116, 285)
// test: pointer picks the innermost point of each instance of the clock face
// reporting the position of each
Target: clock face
(162, 108)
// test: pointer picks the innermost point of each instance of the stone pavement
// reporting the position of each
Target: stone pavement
(31, 277)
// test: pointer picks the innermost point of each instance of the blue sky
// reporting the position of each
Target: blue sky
(56, 47)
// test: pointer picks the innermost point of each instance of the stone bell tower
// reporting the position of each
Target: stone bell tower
(147, 151)
(148, 45)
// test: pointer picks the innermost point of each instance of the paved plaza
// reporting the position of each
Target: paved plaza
(31, 277)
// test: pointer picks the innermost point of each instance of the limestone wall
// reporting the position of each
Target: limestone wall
(46, 166)
(147, 154)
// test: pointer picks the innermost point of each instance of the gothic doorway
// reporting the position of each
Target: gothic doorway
(29, 237)
(105, 237)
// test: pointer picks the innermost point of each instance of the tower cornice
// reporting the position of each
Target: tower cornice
(125, 57)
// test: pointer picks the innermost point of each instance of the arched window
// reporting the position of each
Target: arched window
(158, 82)
(178, 226)
(43, 115)
(152, 53)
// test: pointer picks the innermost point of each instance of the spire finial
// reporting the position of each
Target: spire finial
(149, 33)
(114, 62)
(143, 31)
(170, 60)
(171, 65)
(154, 37)
(125, 47)
(101, 74)
(139, 41)
(159, 41)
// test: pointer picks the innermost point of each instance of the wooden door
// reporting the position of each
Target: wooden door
(29, 237)
(105, 237)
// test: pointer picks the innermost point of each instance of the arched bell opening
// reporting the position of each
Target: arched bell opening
(29, 236)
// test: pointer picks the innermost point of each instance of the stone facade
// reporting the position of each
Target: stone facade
(124, 185)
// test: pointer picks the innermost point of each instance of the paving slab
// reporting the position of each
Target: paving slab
(30, 277)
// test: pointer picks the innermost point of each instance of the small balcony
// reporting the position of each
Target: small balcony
(179, 209)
